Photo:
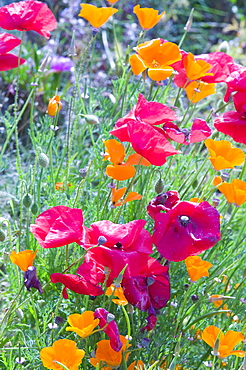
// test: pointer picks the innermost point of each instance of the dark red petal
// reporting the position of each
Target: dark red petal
(28, 16)
(174, 133)
(152, 112)
(152, 319)
(92, 272)
(9, 61)
(111, 329)
(8, 42)
(232, 124)
(150, 143)
(136, 292)
(199, 131)
(163, 202)
(239, 100)
(59, 226)
(77, 284)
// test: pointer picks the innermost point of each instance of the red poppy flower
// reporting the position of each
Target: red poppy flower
(199, 131)
(236, 82)
(138, 128)
(59, 226)
(7, 43)
(152, 319)
(110, 327)
(150, 288)
(86, 282)
(163, 202)
(28, 16)
(127, 244)
(186, 229)
(233, 124)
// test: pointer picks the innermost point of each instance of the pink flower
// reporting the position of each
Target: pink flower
(233, 124)
(199, 131)
(137, 127)
(28, 16)
(186, 229)
(7, 43)
(163, 202)
(110, 327)
(59, 226)
(236, 82)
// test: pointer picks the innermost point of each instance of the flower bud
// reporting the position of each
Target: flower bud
(224, 47)
(27, 200)
(91, 119)
(216, 202)
(19, 313)
(2, 235)
(34, 208)
(159, 186)
(43, 160)
(110, 317)
(194, 297)
(189, 22)
(225, 176)
(101, 240)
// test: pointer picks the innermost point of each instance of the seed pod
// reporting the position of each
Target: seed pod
(34, 208)
(2, 235)
(43, 160)
(159, 186)
(27, 200)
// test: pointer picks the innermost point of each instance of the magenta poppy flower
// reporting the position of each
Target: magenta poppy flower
(137, 127)
(7, 43)
(59, 226)
(199, 131)
(152, 319)
(163, 202)
(110, 327)
(150, 288)
(90, 275)
(233, 124)
(186, 229)
(28, 16)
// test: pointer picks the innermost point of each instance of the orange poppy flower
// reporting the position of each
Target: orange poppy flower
(112, 1)
(223, 154)
(83, 324)
(156, 56)
(118, 292)
(227, 341)
(96, 16)
(235, 192)
(23, 259)
(217, 180)
(54, 105)
(105, 353)
(217, 300)
(62, 352)
(136, 365)
(147, 17)
(116, 153)
(196, 267)
(117, 194)
(196, 91)
(196, 200)
(196, 69)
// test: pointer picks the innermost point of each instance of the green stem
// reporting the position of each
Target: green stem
(127, 322)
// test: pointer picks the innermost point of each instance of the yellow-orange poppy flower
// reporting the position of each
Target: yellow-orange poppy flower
(106, 355)
(196, 267)
(117, 194)
(196, 69)
(63, 351)
(116, 153)
(217, 180)
(156, 56)
(23, 259)
(118, 292)
(83, 324)
(196, 91)
(54, 105)
(136, 365)
(223, 154)
(196, 200)
(96, 16)
(112, 1)
(147, 17)
(235, 192)
(227, 341)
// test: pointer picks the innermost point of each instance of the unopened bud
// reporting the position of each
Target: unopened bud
(189, 22)
(20, 313)
(101, 240)
(225, 176)
(216, 202)
(110, 317)
(34, 208)
(72, 49)
(91, 119)
(43, 160)
(159, 186)
(2, 235)
(44, 63)
(27, 200)
(224, 47)
(215, 351)
(194, 297)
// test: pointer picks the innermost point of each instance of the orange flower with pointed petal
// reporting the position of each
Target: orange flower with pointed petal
(196, 91)
(217, 300)
(83, 324)
(117, 292)
(116, 153)
(136, 365)
(54, 105)
(62, 352)
(196, 69)
(156, 56)
(105, 353)
(217, 180)
(227, 341)
(117, 194)
(96, 16)
(235, 192)
(23, 259)
(147, 17)
(223, 154)
(196, 267)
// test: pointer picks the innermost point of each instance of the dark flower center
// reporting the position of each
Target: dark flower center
(119, 245)
(184, 220)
